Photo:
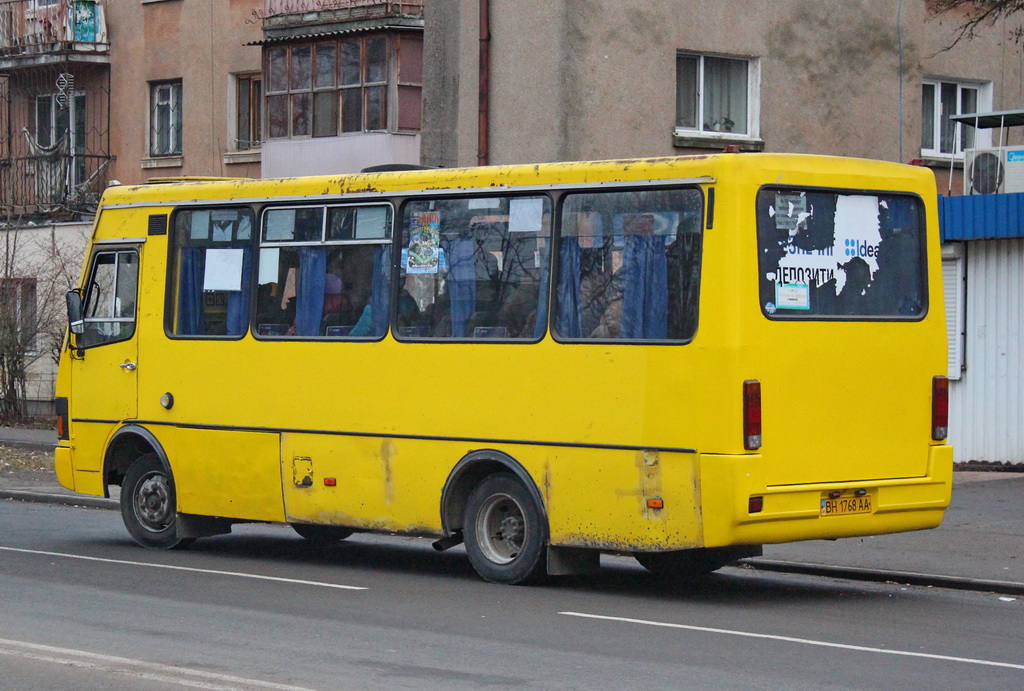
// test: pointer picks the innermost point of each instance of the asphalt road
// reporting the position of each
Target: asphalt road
(82, 607)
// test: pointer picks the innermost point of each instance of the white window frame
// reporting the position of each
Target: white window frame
(163, 94)
(982, 138)
(753, 99)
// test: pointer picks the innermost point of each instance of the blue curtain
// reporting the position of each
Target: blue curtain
(190, 292)
(238, 301)
(380, 289)
(645, 295)
(309, 298)
(569, 317)
(542, 299)
(461, 283)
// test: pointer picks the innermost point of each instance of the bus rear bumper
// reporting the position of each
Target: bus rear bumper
(65, 470)
(794, 512)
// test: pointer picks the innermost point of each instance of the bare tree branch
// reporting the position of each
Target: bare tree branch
(978, 14)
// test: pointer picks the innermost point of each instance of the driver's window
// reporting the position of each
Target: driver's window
(110, 298)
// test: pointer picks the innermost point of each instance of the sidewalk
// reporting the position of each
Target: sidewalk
(979, 546)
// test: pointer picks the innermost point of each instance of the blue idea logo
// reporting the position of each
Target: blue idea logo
(857, 248)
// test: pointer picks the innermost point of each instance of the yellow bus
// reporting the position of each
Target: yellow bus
(681, 358)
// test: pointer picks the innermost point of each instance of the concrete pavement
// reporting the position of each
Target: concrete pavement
(979, 546)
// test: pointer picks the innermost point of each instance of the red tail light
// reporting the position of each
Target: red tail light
(940, 408)
(751, 415)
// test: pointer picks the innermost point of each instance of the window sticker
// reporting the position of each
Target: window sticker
(200, 229)
(424, 242)
(244, 231)
(270, 262)
(484, 203)
(790, 211)
(223, 269)
(792, 296)
(525, 215)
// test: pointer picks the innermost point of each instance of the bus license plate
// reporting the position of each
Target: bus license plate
(844, 506)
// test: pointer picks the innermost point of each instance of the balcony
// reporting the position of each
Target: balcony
(52, 185)
(283, 19)
(40, 32)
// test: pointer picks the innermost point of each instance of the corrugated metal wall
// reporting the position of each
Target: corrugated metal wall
(987, 404)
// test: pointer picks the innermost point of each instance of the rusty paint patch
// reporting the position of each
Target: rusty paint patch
(387, 450)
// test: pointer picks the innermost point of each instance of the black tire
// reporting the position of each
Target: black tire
(321, 534)
(687, 563)
(149, 505)
(505, 531)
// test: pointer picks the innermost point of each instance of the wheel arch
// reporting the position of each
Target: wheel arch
(125, 445)
(468, 472)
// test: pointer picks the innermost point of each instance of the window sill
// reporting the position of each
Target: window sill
(247, 156)
(696, 140)
(939, 162)
(163, 162)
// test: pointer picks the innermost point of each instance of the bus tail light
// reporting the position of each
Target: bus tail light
(940, 408)
(751, 415)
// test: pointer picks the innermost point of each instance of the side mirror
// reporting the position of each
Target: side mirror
(75, 319)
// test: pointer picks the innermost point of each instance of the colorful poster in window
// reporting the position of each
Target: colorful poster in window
(424, 242)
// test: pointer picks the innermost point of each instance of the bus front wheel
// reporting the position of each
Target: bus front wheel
(505, 532)
(149, 504)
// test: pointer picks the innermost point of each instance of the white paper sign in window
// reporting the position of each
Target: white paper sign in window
(223, 269)
(525, 215)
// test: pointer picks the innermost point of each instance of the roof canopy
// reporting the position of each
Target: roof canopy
(1003, 118)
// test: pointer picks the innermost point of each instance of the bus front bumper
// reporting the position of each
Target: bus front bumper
(795, 512)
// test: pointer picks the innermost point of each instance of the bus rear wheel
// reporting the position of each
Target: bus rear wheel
(321, 534)
(149, 504)
(505, 532)
(687, 563)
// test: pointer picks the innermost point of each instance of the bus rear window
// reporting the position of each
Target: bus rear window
(837, 255)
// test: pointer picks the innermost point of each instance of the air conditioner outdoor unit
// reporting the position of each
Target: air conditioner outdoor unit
(994, 171)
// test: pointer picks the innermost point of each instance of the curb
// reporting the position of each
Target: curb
(854, 573)
(64, 499)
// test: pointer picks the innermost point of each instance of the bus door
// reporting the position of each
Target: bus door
(103, 370)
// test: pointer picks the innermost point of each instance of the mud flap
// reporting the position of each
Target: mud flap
(568, 561)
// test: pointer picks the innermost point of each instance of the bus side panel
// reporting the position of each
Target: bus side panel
(599, 498)
(228, 474)
(366, 482)
(89, 443)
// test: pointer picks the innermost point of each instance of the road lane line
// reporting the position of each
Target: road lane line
(790, 639)
(139, 669)
(171, 567)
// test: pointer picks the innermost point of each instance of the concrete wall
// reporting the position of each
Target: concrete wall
(586, 79)
(201, 42)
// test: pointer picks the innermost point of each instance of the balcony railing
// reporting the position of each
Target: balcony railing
(52, 184)
(357, 9)
(30, 28)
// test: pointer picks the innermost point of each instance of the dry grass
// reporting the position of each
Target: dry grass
(13, 458)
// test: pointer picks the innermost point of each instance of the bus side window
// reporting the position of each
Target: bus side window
(629, 265)
(212, 260)
(324, 272)
(475, 268)
(110, 298)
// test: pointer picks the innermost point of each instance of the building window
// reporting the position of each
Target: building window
(716, 95)
(60, 129)
(353, 84)
(165, 119)
(18, 323)
(248, 120)
(940, 101)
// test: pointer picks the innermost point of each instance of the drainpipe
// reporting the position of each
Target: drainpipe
(483, 154)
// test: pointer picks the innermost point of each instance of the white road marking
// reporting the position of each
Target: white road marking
(802, 641)
(138, 669)
(171, 567)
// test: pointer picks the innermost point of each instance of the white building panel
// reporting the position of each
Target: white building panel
(283, 158)
(987, 404)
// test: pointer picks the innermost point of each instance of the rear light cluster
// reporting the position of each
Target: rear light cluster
(940, 408)
(751, 415)
(61, 408)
